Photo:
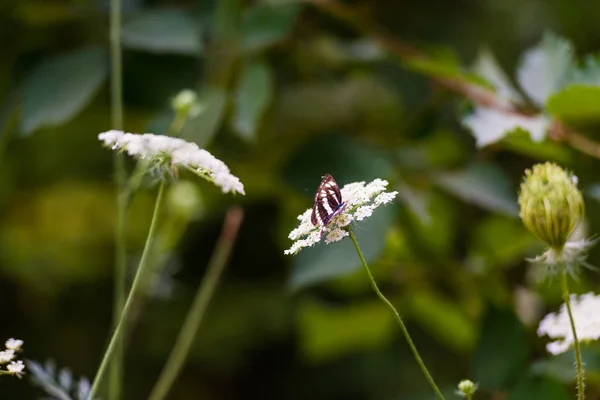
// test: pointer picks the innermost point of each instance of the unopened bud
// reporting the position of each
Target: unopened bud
(551, 204)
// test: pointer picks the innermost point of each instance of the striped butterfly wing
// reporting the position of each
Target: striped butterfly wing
(328, 201)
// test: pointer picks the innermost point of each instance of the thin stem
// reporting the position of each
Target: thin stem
(578, 362)
(207, 287)
(120, 276)
(137, 289)
(398, 319)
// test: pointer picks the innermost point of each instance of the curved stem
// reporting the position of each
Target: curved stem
(578, 362)
(137, 289)
(398, 319)
(120, 278)
(207, 287)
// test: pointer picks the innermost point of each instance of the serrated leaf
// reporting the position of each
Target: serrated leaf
(487, 67)
(543, 68)
(322, 262)
(576, 102)
(265, 24)
(482, 184)
(254, 94)
(502, 351)
(489, 126)
(61, 87)
(331, 331)
(538, 388)
(163, 31)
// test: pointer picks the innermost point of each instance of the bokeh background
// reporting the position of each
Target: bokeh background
(289, 92)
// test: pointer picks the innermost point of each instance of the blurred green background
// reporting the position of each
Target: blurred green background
(290, 91)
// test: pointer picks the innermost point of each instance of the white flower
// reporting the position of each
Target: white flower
(361, 200)
(16, 367)
(6, 356)
(586, 316)
(176, 153)
(14, 344)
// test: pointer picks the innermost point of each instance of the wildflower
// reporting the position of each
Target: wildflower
(6, 356)
(360, 201)
(551, 204)
(586, 319)
(175, 153)
(14, 344)
(466, 388)
(16, 368)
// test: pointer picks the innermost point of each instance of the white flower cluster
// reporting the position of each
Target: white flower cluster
(361, 200)
(176, 152)
(586, 315)
(15, 367)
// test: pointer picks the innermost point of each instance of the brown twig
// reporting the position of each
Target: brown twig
(478, 94)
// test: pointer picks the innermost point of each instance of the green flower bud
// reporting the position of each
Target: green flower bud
(551, 204)
(186, 102)
(466, 388)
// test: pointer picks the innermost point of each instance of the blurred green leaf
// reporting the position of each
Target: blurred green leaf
(487, 67)
(534, 388)
(561, 367)
(322, 262)
(202, 128)
(61, 87)
(576, 102)
(330, 331)
(489, 125)
(543, 68)
(163, 31)
(435, 234)
(499, 241)
(483, 184)
(254, 94)
(442, 318)
(265, 24)
(586, 74)
(502, 350)
(520, 142)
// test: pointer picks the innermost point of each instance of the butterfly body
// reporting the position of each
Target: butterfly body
(328, 202)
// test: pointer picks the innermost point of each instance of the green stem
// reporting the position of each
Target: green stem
(398, 319)
(207, 287)
(137, 288)
(578, 362)
(120, 276)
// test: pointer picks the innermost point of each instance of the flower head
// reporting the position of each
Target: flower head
(586, 318)
(16, 368)
(14, 344)
(8, 356)
(174, 152)
(361, 200)
(551, 204)
(466, 388)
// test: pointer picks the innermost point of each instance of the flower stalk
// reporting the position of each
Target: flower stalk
(205, 292)
(576, 347)
(137, 289)
(385, 301)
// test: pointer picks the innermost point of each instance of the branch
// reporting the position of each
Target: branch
(479, 95)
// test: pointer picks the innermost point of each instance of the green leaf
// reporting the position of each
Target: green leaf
(254, 94)
(502, 351)
(61, 87)
(489, 126)
(329, 331)
(163, 31)
(520, 142)
(482, 184)
(442, 318)
(265, 24)
(322, 262)
(543, 68)
(536, 388)
(487, 67)
(576, 102)
(499, 241)
(202, 128)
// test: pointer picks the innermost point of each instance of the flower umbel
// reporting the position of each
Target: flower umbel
(174, 153)
(586, 318)
(361, 200)
(551, 204)
(7, 356)
(466, 388)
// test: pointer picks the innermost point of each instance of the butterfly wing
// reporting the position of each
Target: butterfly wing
(328, 200)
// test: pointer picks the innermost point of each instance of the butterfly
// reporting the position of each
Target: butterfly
(328, 202)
